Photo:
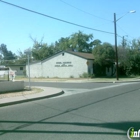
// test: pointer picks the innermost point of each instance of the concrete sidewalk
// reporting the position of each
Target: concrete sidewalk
(46, 93)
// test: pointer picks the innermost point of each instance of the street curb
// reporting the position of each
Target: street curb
(32, 99)
(102, 81)
(88, 81)
(114, 81)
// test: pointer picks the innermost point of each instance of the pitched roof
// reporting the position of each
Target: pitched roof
(88, 56)
(15, 65)
(82, 54)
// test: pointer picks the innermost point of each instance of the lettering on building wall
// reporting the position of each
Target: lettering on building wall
(63, 64)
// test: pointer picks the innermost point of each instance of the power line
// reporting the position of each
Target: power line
(84, 11)
(54, 17)
(125, 31)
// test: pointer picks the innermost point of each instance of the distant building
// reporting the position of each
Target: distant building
(64, 64)
(19, 69)
(3, 70)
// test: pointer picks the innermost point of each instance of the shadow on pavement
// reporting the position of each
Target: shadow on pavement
(122, 126)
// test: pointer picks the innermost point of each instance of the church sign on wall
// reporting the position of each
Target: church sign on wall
(63, 64)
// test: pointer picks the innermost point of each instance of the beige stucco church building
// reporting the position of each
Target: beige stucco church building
(64, 64)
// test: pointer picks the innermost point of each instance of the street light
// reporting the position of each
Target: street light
(28, 53)
(115, 32)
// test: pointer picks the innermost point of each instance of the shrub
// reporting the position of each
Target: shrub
(84, 75)
(92, 75)
(71, 76)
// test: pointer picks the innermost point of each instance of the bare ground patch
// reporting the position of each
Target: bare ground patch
(20, 93)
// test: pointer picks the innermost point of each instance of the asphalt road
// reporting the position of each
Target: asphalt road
(100, 112)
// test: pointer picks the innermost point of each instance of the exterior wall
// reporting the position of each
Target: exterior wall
(64, 66)
(90, 66)
(18, 70)
(11, 86)
(35, 70)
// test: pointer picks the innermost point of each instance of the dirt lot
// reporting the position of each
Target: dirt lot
(20, 93)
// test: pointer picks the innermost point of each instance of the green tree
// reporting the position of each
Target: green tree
(104, 55)
(135, 44)
(41, 50)
(62, 44)
(77, 42)
(96, 42)
(130, 60)
(7, 56)
(123, 50)
(81, 42)
(21, 58)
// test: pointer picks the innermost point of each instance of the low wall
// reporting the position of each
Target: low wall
(11, 86)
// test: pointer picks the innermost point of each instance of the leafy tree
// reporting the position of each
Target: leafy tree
(135, 44)
(123, 51)
(104, 55)
(77, 42)
(21, 58)
(96, 42)
(6, 56)
(41, 50)
(132, 64)
(62, 44)
(81, 42)
(130, 59)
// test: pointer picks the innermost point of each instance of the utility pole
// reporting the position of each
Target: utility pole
(28, 53)
(29, 70)
(115, 30)
(123, 42)
(116, 50)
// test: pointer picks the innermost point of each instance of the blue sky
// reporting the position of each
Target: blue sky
(17, 25)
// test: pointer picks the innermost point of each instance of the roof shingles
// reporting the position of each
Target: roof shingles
(81, 54)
